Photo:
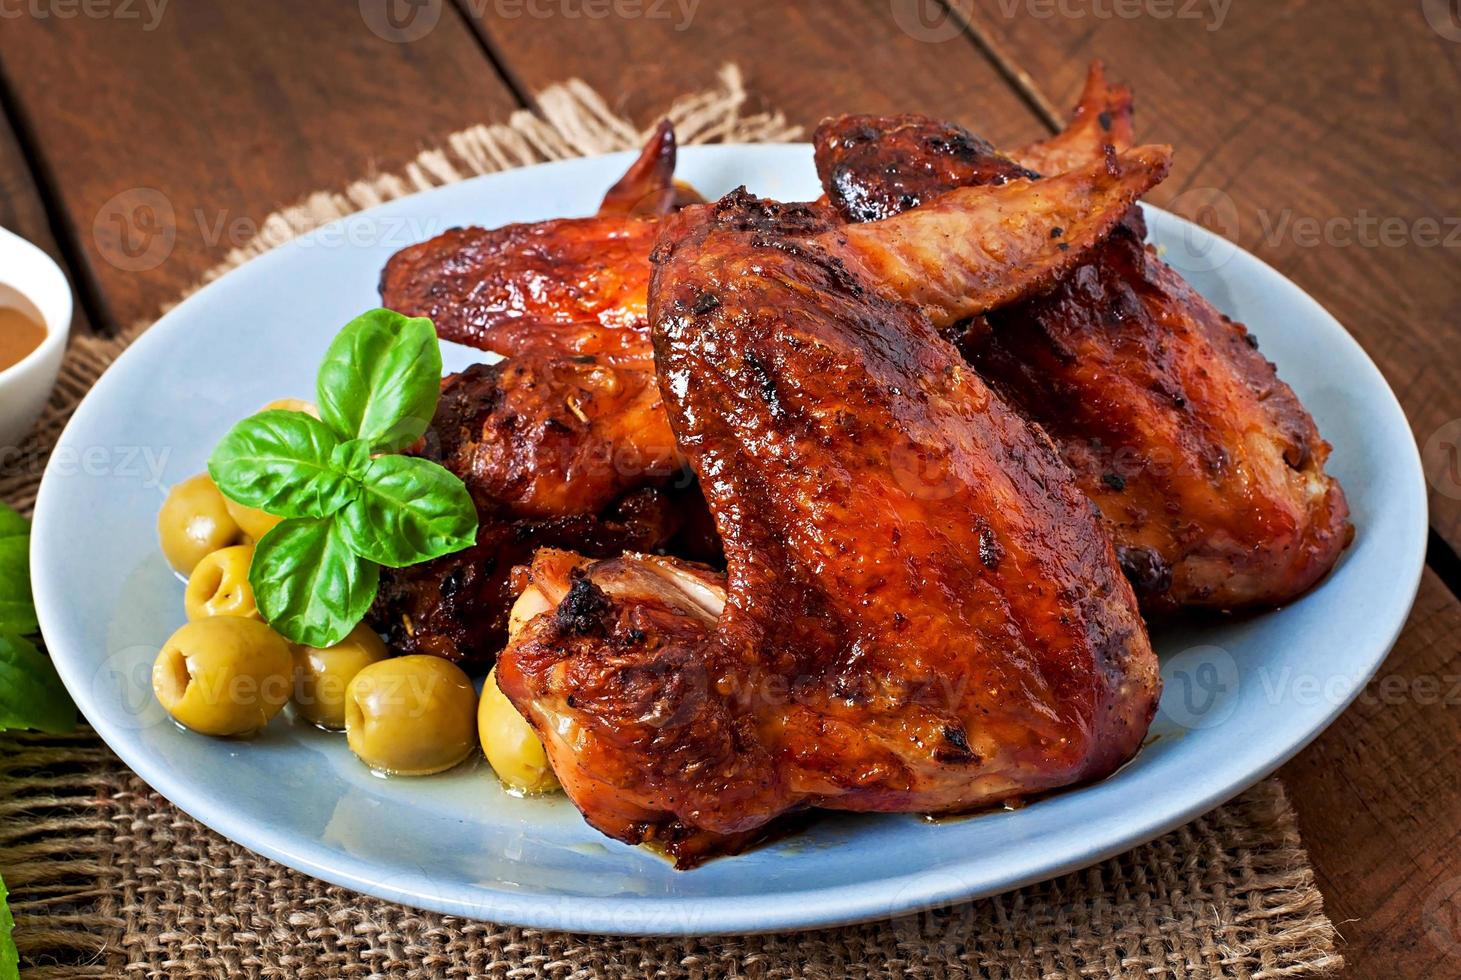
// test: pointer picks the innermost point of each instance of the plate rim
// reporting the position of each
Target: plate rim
(731, 915)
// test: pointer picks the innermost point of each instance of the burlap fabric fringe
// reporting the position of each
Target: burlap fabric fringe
(109, 880)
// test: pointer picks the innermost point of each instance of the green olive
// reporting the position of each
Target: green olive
(255, 522)
(194, 522)
(224, 676)
(321, 677)
(510, 744)
(219, 586)
(411, 716)
(292, 405)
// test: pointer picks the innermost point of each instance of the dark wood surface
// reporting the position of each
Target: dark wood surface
(1297, 113)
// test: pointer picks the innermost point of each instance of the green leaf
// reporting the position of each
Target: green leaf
(31, 692)
(409, 510)
(352, 457)
(309, 585)
(9, 955)
(283, 464)
(17, 609)
(380, 380)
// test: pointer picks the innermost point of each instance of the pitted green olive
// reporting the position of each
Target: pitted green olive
(322, 676)
(219, 586)
(411, 716)
(224, 676)
(511, 745)
(255, 522)
(194, 522)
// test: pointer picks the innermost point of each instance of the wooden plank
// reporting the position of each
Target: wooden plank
(168, 139)
(1379, 803)
(808, 60)
(1319, 130)
(23, 212)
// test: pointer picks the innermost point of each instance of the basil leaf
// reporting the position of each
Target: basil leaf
(308, 584)
(9, 955)
(17, 609)
(282, 463)
(409, 510)
(31, 692)
(380, 380)
(352, 457)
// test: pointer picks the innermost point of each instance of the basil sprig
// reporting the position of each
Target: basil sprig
(349, 506)
(31, 692)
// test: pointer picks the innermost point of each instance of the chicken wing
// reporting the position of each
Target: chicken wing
(565, 443)
(920, 613)
(574, 285)
(1207, 469)
(1102, 118)
(556, 453)
(545, 442)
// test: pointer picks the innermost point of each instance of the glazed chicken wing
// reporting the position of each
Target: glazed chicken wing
(556, 453)
(1207, 470)
(920, 610)
(577, 286)
(564, 444)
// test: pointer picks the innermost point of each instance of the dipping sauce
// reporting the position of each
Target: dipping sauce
(19, 335)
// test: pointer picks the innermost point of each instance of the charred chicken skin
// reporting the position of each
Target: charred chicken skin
(920, 610)
(1208, 471)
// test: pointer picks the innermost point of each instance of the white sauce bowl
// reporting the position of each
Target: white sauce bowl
(32, 283)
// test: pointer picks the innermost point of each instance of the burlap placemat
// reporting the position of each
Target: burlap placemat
(108, 879)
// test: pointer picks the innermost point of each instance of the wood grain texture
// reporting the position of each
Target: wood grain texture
(808, 60)
(1379, 803)
(1315, 135)
(23, 212)
(167, 146)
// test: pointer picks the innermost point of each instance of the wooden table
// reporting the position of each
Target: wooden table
(1331, 126)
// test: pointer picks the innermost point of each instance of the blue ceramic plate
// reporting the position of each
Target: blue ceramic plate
(1242, 695)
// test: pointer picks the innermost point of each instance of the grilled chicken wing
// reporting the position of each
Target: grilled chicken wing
(921, 611)
(556, 453)
(1102, 118)
(1207, 469)
(546, 442)
(574, 285)
(565, 443)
